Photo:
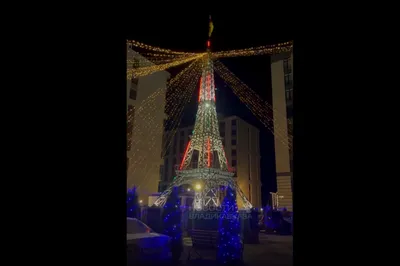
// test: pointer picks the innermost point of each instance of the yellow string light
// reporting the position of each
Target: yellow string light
(260, 50)
(149, 125)
(255, 107)
(253, 102)
(178, 58)
(165, 55)
(253, 94)
(150, 59)
(150, 99)
(143, 71)
(192, 86)
(156, 49)
(157, 126)
(150, 103)
(177, 108)
(149, 62)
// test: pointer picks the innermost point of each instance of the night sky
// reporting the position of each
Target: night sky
(189, 33)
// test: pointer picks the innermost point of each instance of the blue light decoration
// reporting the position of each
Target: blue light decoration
(132, 203)
(172, 222)
(229, 240)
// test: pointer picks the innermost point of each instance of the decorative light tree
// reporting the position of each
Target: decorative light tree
(172, 223)
(132, 204)
(229, 240)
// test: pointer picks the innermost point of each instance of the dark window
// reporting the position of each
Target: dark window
(132, 94)
(223, 142)
(233, 122)
(234, 132)
(233, 152)
(222, 133)
(222, 126)
(289, 94)
(288, 81)
(181, 146)
(233, 142)
(286, 66)
(182, 133)
(233, 163)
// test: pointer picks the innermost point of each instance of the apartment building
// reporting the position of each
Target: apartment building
(282, 101)
(145, 117)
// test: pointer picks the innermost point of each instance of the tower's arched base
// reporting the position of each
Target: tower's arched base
(211, 180)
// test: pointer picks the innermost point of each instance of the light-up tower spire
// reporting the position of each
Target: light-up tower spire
(204, 159)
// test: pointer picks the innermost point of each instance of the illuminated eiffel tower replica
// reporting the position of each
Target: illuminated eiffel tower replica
(212, 168)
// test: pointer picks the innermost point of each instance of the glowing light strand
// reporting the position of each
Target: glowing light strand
(151, 106)
(254, 95)
(260, 50)
(156, 128)
(257, 111)
(143, 71)
(156, 49)
(253, 104)
(168, 142)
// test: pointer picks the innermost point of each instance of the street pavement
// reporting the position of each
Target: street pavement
(273, 250)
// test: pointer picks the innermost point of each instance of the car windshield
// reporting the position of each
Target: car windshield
(134, 226)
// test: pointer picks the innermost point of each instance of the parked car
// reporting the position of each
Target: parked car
(144, 245)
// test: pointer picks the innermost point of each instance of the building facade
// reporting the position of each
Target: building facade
(145, 118)
(242, 148)
(282, 100)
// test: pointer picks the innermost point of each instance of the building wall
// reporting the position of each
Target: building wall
(282, 99)
(246, 160)
(145, 131)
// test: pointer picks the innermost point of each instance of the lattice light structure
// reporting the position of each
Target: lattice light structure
(204, 159)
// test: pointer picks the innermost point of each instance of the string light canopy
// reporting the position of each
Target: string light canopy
(206, 138)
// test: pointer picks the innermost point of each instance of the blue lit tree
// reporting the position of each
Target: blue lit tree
(132, 203)
(229, 240)
(172, 223)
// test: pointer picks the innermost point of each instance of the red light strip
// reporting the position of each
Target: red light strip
(184, 156)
